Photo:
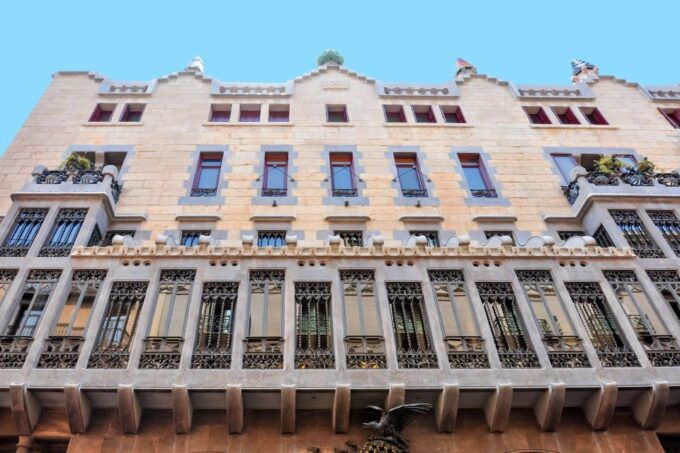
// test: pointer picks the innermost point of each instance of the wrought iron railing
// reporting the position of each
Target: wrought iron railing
(565, 351)
(365, 352)
(413, 193)
(95, 176)
(631, 178)
(263, 353)
(313, 325)
(61, 351)
(484, 193)
(345, 192)
(13, 350)
(274, 192)
(669, 225)
(466, 352)
(196, 192)
(662, 350)
(161, 353)
(636, 235)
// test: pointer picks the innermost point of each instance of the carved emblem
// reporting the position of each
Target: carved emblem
(335, 85)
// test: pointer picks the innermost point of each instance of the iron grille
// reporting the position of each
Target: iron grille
(565, 235)
(669, 225)
(190, 238)
(351, 238)
(414, 193)
(264, 352)
(271, 238)
(313, 325)
(95, 237)
(215, 326)
(635, 233)
(414, 347)
(196, 192)
(274, 192)
(112, 349)
(604, 333)
(431, 236)
(26, 227)
(506, 326)
(64, 233)
(345, 192)
(668, 284)
(602, 238)
(484, 193)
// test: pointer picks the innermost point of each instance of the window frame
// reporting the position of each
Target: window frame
(599, 119)
(475, 161)
(334, 109)
(201, 166)
(131, 109)
(553, 156)
(540, 112)
(431, 118)
(456, 111)
(672, 116)
(397, 109)
(568, 114)
(414, 166)
(222, 109)
(99, 109)
(254, 108)
(277, 109)
(349, 164)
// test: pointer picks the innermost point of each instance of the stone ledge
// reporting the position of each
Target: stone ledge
(572, 126)
(461, 125)
(235, 124)
(111, 123)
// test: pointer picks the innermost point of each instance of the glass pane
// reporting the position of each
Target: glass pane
(445, 306)
(65, 317)
(464, 309)
(408, 178)
(342, 177)
(371, 318)
(208, 178)
(558, 311)
(274, 314)
(32, 317)
(276, 177)
(545, 323)
(83, 315)
(351, 300)
(179, 311)
(473, 176)
(161, 312)
(256, 310)
(565, 164)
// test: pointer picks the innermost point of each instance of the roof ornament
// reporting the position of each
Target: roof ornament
(583, 71)
(196, 64)
(330, 56)
(464, 68)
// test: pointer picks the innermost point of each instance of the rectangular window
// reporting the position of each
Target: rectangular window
(491, 233)
(26, 226)
(351, 238)
(220, 113)
(602, 238)
(565, 164)
(604, 332)
(669, 225)
(537, 115)
(672, 116)
(271, 239)
(249, 113)
(207, 178)
(132, 113)
(424, 114)
(410, 178)
(668, 284)
(117, 332)
(214, 333)
(565, 115)
(102, 113)
(464, 343)
(594, 116)
(64, 344)
(275, 178)
(431, 236)
(567, 234)
(394, 114)
(279, 113)
(313, 326)
(64, 232)
(635, 233)
(37, 291)
(364, 340)
(476, 176)
(452, 114)
(337, 114)
(190, 237)
(409, 323)
(264, 342)
(342, 175)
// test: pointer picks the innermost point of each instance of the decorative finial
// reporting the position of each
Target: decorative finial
(583, 70)
(330, 56)
(464, 68)
(196, 64)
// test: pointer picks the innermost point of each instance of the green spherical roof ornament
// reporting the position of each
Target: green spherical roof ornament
(328, 56)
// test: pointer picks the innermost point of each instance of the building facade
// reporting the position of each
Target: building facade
(188, 264)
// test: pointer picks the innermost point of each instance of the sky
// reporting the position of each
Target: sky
(395, 41)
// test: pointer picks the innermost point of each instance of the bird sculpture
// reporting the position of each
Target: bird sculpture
(387, 437)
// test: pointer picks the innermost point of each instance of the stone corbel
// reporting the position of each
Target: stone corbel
(291, 241)
(25, 408)
(497, 408)
(182, 408)
(446, 408)
(600, 405)
(548, 408)
(78, 408)
(377, 242)
(395, 396)
(649, 406)
(204, 242)
(334, 242)
(234, 409)
(129, 409)
(288, 393)
(341, 406)
(247, 241)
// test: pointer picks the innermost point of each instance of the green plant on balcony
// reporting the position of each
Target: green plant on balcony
(644, 166)
(75, 163)
(610, 165)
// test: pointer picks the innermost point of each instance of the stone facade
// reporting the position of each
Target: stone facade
(112, 330)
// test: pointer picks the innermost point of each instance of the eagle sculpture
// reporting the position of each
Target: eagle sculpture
(387, 437)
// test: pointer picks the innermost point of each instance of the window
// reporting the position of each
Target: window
(491, 233)
(565, 164)
(463, 340)
(215, 326)
(351, 238)
(594, 116)
(207, 178)
(409, 323)
(26, 226)
(220, 113)
(132, 113)
(250, 113)
(476, 176)
(108, 237)
(452, 114)
(190, 238)
(537, 115)
(271, 238)
(500, 305)
(342, 175)
(431, 236)
(410, 178)
(635, 233)
(565, 115)
(313, 326)
(336, 114)
(424, 114)
(264, 343)
(364, 340)
(668, 284)
(394, 114)
(566, 235)
(64, 232)
(117, 332)
(275, 175)
(37, 290)
(102, 113)
(669, 225)
(602, 238)
(7, 276)
(115, 158)
(279, 113)
(672, 116)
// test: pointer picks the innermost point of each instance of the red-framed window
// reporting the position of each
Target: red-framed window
(452, 114)
(594, 116)
(337, 114)
(565, 115)
(275, 179)
(394, 114)
(537, 115)
(102, 113)
(565, 163)
(672, 116)
(342, 174)
(132, 113)
(220, 113)
(476, 176)
(249, 114)
(207, 176)
(279, 113)
(410, 178)
(424, 114)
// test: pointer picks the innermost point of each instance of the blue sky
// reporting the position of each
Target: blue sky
(522, 41)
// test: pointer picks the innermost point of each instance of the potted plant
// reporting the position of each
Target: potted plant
(610, 165)
(644, 166)
(75, 163)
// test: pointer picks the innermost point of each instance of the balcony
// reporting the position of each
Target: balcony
(662, 350)
(365, 352)
(13, 350)
(61, 351)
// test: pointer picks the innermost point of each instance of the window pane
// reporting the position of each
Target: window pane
(565, 164)
(371, 319)
(464, 309)
(274, 313)
(408, 178)
(208, 178)
(160, 315)
(342, 177)
(179, 311)
(276, 176)
(65, 317)
(83, 314)
(474, 178)
(445, 306)
(256, 310)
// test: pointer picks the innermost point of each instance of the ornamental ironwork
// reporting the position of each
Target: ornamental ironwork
(500, 306)
(604, 332)
(116, 189)
(263, 353)
(44, 275)
(355, 275)
(13, 350)
(565, 235)
(313, 325)
(89, 275)
(351, 238)
(161, 353)
(638, 178)
(629, 177)
(431, 236)
(446, 276)
(88, 177)
(95, 237)
(112, 349)
(274, 192)
(669, 225)
(365, 352)
(668, 284)
(26, 226)
(414, 346)
(214, 333)
(8, 275)
(669, 179)
(484, 193)
(466, 352)
(636, 235)
(414, 193)
(196, 192)
(602, 238)
(271, 238)
(61, 352)
(51, 177)
(267, 275)
(344, 192)
(64, 232)
(178, 275)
